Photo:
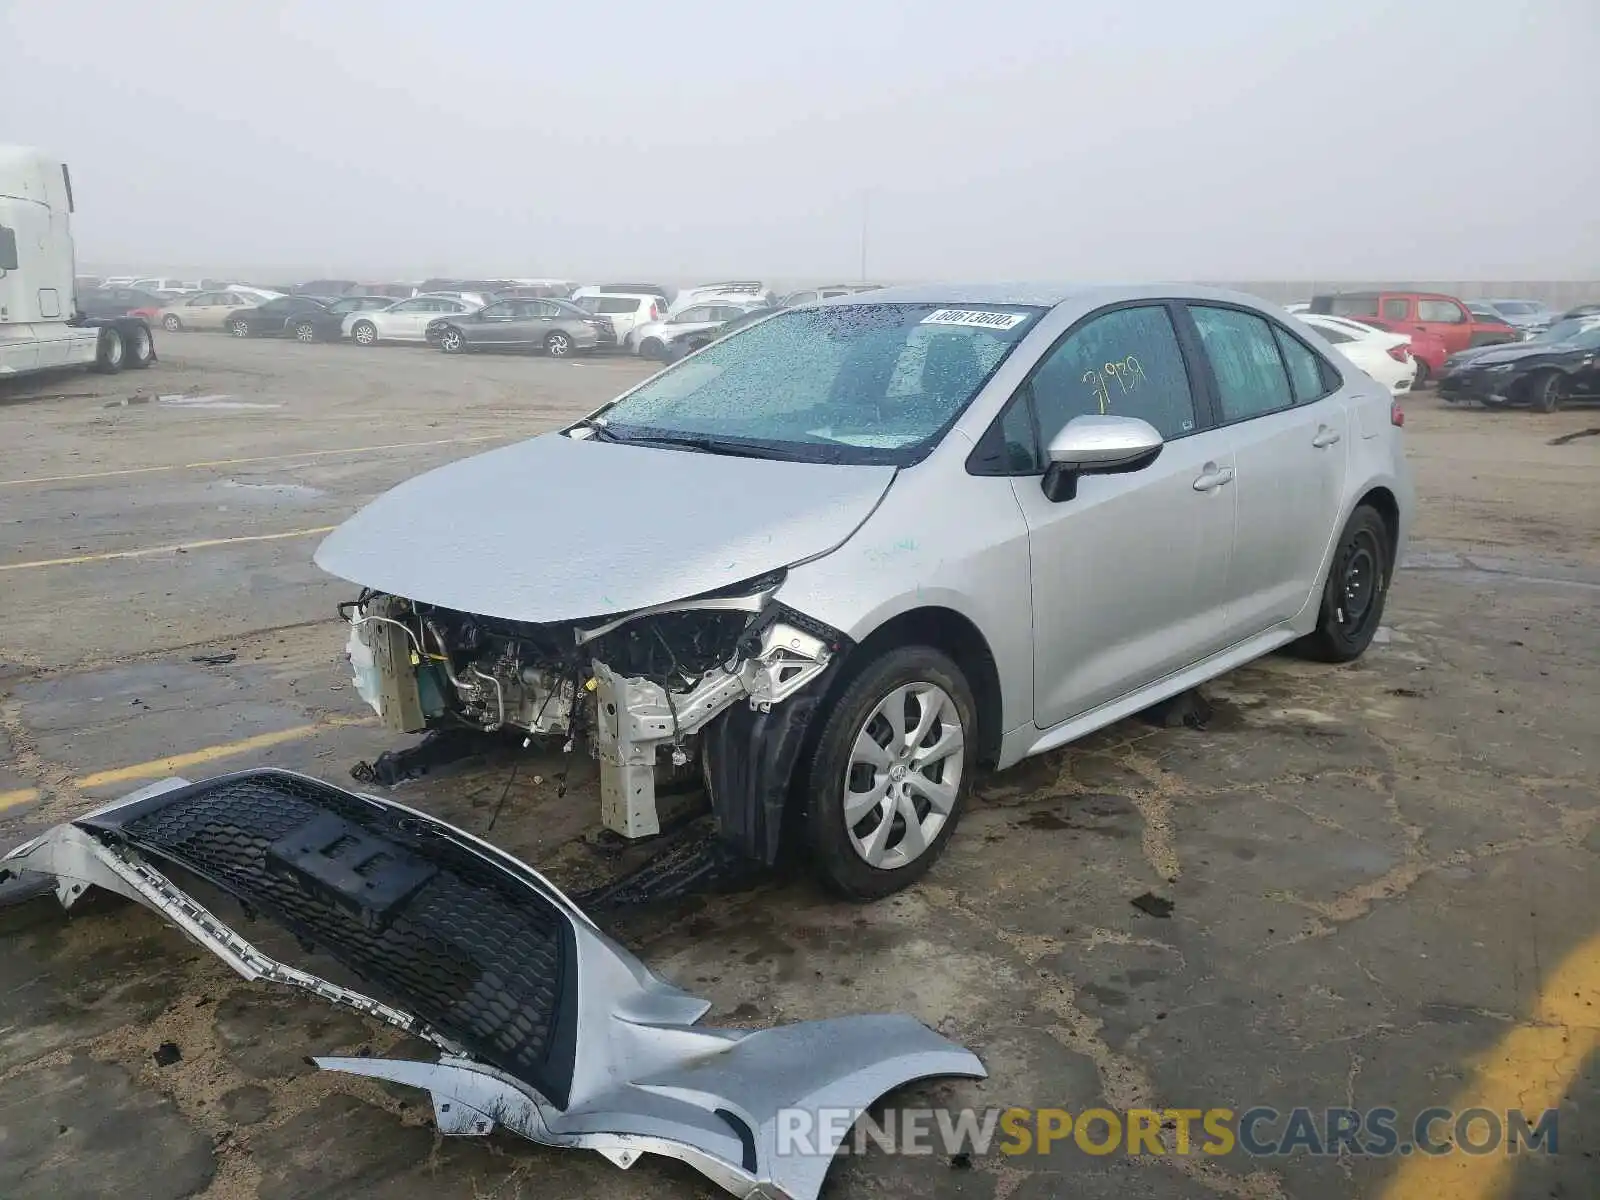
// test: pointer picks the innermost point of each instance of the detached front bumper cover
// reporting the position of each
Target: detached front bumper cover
(544, 1024)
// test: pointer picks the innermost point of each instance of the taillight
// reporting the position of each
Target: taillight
(1400, 353)
(655, 313)
(1397, 415)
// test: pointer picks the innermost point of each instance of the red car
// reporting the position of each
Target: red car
(1428, 349)
(1431, 312)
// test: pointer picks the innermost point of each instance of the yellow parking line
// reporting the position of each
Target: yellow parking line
(17, 796)
(173, 549)
(1530, 1069)
(157, 768)
(239, 462)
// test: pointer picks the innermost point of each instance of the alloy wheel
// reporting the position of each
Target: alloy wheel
(903, 775)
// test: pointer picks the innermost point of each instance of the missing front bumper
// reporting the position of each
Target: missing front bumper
(544, 1025)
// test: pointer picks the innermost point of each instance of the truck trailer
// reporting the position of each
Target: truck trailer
(41, 326)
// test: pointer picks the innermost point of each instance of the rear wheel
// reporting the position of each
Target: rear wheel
(140, 347)
(558, 345)
(1358, 585)
(652, 348)
(1423, 375)
(1544, 391)
(365, 333)
(891, 772)
(239, 327)
(451, 341)
(109, 352)
(305, 331)
(171, 323)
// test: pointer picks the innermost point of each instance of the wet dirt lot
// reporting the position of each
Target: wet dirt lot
(1384, 877)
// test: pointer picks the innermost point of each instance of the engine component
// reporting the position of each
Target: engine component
(543, 1024)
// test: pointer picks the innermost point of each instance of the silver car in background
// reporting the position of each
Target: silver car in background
(850, 553)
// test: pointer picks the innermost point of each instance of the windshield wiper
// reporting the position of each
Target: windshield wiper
(701, 442)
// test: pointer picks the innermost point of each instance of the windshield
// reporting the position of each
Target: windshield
(1515, 308)
(1568, 331)
(869, 383)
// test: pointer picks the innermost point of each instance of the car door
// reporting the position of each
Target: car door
(1129, 575)
(208, 310)
(496, 324)
(1279, 404)
(1446, 319)
(408, 320)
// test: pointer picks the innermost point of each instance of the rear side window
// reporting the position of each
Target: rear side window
(1123, 363)
(620, 304)
(1309, 374)
(1396, 308)
(1251, 379)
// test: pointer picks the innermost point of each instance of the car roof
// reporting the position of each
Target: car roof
(1039, 295)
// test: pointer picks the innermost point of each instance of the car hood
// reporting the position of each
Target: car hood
(557, 529)
(1518, 351)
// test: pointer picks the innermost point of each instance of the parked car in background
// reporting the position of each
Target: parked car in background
(1445, 316)
(1543, 372)
(554, 326)
(750, 293)
(630, 289)
(1526, 316)
(1383, 355)
(275, 318)
(650, 340)
(326, 287)
(621, 312)
(394, 291)
(327, 323)
(207, 310)
(404, 320)
(177, 287)
(1428, 350)
(1581, 310)
(120, 302)
(681, 347)
(828, 292)
(956, 526)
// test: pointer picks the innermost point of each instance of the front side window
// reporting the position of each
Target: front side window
(870, 383)
(701, 312)
(1250, 375)
(1442, 312)
(1125, 363)
(502, 311)
(1396, 308)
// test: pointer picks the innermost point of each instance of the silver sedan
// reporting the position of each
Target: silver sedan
(855, 551)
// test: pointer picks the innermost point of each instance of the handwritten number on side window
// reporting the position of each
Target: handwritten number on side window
(1125, 374)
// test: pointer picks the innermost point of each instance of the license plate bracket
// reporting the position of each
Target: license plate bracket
(366, 875)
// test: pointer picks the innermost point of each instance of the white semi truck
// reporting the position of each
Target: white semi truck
(41, 328)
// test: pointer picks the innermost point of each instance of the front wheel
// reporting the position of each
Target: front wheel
(1358, 585)
(171, 323)
(305, 332)
(558, 345)
(1423, 375)
(1544, 391)
(451, 341)
(891, 772)
(365, 333)
(652, 348)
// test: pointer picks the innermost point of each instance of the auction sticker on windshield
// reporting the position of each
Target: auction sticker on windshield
(976, 317)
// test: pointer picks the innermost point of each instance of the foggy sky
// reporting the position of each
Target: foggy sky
(1098, 139)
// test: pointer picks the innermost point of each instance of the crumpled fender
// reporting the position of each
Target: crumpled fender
(544, 1024)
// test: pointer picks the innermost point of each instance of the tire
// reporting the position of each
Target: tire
(874, 858)
(558, 345)
(171, 323)
(1424, 375)
(305, 333)
(239, 328)
(1355, 591)
(1544, 391)
(652, 348)
(140, 347)
(364, 333)
(110, 352)
(452, 341)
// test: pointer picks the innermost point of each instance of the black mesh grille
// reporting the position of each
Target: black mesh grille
(474, 952)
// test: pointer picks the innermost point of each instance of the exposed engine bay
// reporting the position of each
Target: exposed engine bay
(626, 686)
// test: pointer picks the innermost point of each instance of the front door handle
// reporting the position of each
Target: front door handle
(1213, 477)
(1325, 437)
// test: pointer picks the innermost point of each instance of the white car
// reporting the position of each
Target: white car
(1383, 355)
(750, 293)
(650, 339)
(166, 286)
(626, 311)
(405, 321)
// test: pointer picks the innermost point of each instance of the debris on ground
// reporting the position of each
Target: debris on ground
(167, 1053)
(1154, 905)
(214, 660)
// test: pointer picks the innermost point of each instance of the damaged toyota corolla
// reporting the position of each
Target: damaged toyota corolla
(850, 552)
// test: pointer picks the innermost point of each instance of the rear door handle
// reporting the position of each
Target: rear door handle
(1325, 437)
(1213, 477)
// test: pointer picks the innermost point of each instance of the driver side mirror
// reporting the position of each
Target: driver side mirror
(1097, 445)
